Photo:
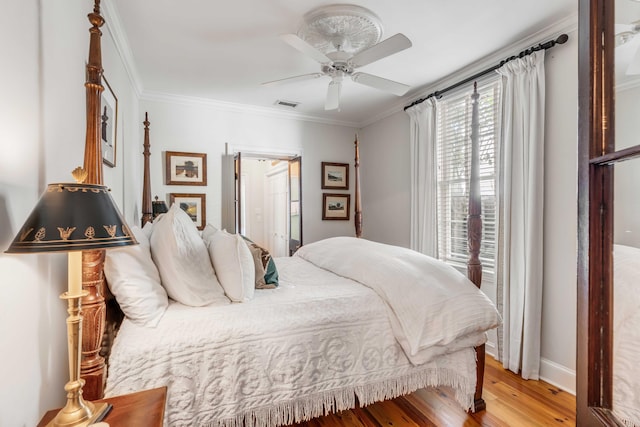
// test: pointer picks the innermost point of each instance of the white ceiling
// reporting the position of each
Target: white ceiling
(627, 14)
(224, 50)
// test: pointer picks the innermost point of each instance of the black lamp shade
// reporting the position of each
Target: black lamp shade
(159, 207)
(73, 217)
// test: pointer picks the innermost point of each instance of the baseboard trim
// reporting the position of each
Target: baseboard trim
(551, 372)
(558, 375)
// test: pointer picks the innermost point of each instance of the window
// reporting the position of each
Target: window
(454, 162)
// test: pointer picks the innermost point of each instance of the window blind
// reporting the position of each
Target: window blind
(453, 138)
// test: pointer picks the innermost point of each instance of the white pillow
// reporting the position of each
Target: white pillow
(135, 282)
(234, 266)
(148, 229)
(183, 261)
(208, 232)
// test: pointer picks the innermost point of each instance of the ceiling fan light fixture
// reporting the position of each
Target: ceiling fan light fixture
(341, 27)
(342, 38)
(624, 37)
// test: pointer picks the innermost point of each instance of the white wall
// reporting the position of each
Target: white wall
(386, 175)
(42, 126)
(386, 203)
(42, 133)
(126, 191)
(198, 127)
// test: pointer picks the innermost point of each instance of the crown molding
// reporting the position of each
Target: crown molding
(240, 108)
(568, 24)
(628, 85)
(121, 42)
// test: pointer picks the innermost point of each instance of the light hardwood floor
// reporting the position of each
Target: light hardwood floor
(511, 402)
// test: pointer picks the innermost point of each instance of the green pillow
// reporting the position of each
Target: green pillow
(271, 273)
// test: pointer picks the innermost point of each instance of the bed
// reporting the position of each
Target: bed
(333, 335)
(315, 344)
(626, 326)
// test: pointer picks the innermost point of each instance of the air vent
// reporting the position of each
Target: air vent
(288, 104)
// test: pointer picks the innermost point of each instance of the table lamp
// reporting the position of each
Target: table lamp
(72, 218)
(159, 207)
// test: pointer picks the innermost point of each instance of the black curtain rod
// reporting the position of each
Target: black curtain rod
(562, 39)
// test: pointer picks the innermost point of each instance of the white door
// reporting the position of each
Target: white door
(277, 211)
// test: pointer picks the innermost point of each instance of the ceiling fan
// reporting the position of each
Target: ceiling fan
(624, 37)
(343, 38)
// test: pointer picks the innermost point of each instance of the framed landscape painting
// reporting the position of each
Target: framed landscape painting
(335, 206)
(186, 168)
(335, 176)
(193, 204)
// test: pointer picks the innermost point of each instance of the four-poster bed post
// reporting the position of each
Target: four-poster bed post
(474, 228)
(92, 368)
(474, 235)
(147, 207)
(357, 217)
(93, 365)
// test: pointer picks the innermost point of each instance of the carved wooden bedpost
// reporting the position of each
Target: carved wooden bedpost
(92, 368)
(147, 208)
(357, 217)
(474, 235)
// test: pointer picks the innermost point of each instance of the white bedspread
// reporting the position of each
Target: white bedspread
(433, 308)
(290, 354)
(626, 330)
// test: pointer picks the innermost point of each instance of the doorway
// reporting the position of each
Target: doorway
(268, 208)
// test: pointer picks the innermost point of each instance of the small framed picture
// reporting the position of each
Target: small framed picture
(193, 204)
(108, 124)
(186, 168)
(335, 176)
(335, 206)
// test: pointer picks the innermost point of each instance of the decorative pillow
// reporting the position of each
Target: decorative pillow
(135, 282)
(148, 229)
(267, 264)
(183, 261)
(208, 232)
(233, 263)
(256, 252)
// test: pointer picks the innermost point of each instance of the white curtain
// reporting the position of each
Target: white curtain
(519, 259)
(424, 218)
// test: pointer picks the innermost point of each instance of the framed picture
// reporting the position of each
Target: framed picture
(108, 124)
(186, 168)
(193, 204)
(335, 206)
(335, 176)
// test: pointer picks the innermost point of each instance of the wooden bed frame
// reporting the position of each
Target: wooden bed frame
(100, 323)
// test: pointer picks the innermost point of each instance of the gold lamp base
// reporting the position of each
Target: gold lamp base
(86, 414)
(77, 412)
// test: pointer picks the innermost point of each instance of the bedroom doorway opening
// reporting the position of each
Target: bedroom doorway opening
(268, 195)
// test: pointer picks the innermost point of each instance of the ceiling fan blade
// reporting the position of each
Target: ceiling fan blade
(333, 96)
(304, 47)
(393, 44)
(380, 83)
(293, 79)
(634, 65)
